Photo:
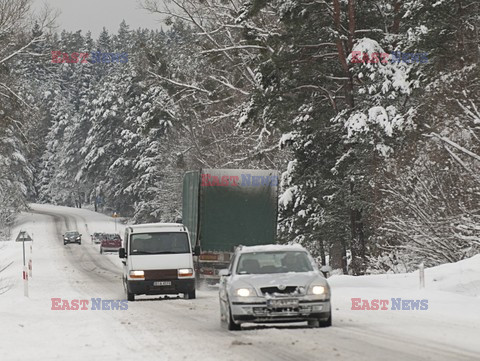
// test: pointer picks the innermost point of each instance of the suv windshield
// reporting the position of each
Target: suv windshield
(159, 243)
(273, 262)
(71, 234)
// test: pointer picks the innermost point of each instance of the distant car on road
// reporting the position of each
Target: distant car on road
(110, 242)
(273, 283)
(97, 237)
(72, 237)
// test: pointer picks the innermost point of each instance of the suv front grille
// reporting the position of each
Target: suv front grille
(272, 290)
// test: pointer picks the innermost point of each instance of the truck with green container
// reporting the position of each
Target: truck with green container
(225, 208)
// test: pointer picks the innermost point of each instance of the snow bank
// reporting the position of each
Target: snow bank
(452, 291)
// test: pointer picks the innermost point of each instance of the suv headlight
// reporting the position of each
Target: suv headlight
(318, 290)
(245, 292)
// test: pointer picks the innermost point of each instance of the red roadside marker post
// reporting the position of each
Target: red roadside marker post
(421, 272)
(23, 237)
(30, 262)
(115, 215)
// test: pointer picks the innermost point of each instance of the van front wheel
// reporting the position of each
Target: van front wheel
(130, 296)
(190, 295)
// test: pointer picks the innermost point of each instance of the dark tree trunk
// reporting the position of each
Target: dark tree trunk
(322, 252)
(336, 255)
(358, 265)
(344, 257)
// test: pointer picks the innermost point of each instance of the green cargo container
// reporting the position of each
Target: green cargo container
(223, 208)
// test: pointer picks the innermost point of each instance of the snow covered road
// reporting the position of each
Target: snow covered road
(178, 329)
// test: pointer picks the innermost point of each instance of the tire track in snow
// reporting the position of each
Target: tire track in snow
(106, 284)
(177, 329)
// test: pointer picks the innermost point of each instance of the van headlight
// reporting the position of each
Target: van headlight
(185, 272)
(137, 275)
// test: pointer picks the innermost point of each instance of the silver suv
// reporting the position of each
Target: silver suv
(273, 283)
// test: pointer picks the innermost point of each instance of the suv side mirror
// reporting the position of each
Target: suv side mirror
(196, 251)
(224, 273)
(121, 253)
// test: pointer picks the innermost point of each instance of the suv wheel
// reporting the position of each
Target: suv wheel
(321, 322)
(327, 322)
(101, 250)
(231, 325)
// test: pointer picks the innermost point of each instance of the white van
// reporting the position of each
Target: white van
(157, 260)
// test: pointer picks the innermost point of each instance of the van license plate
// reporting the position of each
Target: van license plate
(162, 283)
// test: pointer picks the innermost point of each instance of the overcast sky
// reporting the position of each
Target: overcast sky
(93, 15)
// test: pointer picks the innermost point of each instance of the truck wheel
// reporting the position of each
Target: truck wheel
(190, 295)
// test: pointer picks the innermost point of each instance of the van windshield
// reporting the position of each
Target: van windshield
(159, 243)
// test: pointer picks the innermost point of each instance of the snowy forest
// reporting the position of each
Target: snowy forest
(378, 159)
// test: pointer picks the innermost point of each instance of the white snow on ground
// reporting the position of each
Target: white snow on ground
(177, 329)
(452, 291)
(28, 325)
